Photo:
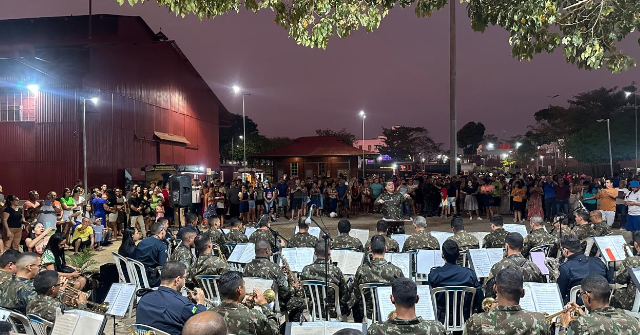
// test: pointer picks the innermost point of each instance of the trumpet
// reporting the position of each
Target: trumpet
(571, 309)
(488, 304)
(72, 294)
(250, 300)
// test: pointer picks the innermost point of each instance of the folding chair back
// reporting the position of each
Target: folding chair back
(370, 290)
(315, 293)
(39, 325)
(139, 273)
(120, 262)
(209, 283)
(455, 298)
(19, 323)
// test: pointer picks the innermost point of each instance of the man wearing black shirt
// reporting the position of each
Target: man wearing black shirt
(135, 212)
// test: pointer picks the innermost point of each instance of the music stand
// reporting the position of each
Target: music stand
(120, 296)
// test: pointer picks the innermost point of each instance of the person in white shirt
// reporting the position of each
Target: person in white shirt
(196, 197)
(621, 209)
(632, 200)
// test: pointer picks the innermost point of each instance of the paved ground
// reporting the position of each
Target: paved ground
(286, 228)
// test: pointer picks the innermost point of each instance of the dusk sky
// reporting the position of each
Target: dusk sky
(397, 74)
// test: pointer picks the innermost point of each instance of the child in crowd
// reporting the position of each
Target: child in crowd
(160, 209)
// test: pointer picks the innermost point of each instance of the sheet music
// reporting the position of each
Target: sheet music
(243, 253)
(424, 307)
(261, 284)
(400, 238)
(77, 322)
(348, 261)
(331, 328)
(361, 234)
(538, 258)
(88, 324)
(4, 314)
(483, 259)
(315, 231)
(527, 302)
(298, 258)
(249, 230)
(321, 328)
(614, 244)
(480, 236)
(119, 297)
(546, 297)
(441, 236)
(401, 260)
(517, 228)
(65, 323)
(634, 273)
(226, 231)
(428, 259)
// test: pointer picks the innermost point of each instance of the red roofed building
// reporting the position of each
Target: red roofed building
(315, 156)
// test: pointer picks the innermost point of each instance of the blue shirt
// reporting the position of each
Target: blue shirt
(185, 228)
(549, 190)
(342, 189)
(166, 309)
(575, 269)
(282, 190)
(98, 207)
(376, 190)
(455, 275)
(151, 252)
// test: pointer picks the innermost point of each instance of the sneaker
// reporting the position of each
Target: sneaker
(479, 218)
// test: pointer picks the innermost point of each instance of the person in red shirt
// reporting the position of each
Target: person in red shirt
(168, 210)
(444, 204)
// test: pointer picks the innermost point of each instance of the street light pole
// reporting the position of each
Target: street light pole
(453, 164)
(238, 90)
(84, 137)
(609, 139)
(363, 161)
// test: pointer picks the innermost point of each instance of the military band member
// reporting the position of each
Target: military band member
(507, 318)
(302, 239)
(47, 285)
(577, 267)
(240, 319)
(539, 237)
(205, 323)
(514, 260)
(560, 221)
(263, 233)
(264, 268)
(464, 240)
(623, 297)
(215, 232)
(182, 253)
(206, 263)
(391, 202)
(584, 230)
(378, 270)
(602, 318)
(421, 239)
(598, 224)
(236, 235)
(495, 239)
(404, 296)
(315, 271)
(18, 292)
(8, 267)
(344, 240)
(381, 229)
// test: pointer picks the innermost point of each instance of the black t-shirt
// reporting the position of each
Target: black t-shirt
(451, 190)
(15, 217)
(135, 202)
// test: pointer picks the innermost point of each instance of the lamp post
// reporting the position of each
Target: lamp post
(84, 136)
(635, 107)
(363, 161)
(609, 138)
(238, 90)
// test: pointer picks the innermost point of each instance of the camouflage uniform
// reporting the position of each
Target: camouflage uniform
(604, 321)
(302, 240)
(392, 206)
(264, 268)
(565, 231)
(182, 254)
(601, 228)
(583, 232)
(217, 237)
(507, 320)
(495, 239)
(45, 306)
(236, 236)
(378, 270)
(5, 276)
(315, 271)
(465, 240)
(207, 265)
(529, 270)
(391, 244)
(263, 234)
(537, 238)
(16, 294)
(624, 297)
(421, 240)
(346, 241)
(417, 326)
(244, 321)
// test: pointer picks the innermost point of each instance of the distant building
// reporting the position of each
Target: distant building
(314, 156)
(371, 144)
(154, 106)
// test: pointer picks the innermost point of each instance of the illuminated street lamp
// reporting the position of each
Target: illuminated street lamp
(635, 107)
(238, 90)
(363, 161)
(95, 101)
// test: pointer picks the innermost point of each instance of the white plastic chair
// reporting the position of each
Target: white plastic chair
(139, 274)
(140, 329)
(39, 325)
(373, 293)
(454, 298)
(315, 292)
(119, 260)
(209, 283)
(19, 323)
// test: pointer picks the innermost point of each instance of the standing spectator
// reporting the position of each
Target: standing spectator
(549, 188)
(68, 205)
(376, 190)
(252, 205)
(332, 195)
(470, 200)
(135, 212)
(365, 190)
(243, 198)
(452, 195)
(196, 199)
(218, 197)
(12, 221)
(234, 199)
(505, 203)
(168, 210)
(298, 192)
(534, 204)
(99, 208)
(123, 209)
(589, 195)
(621, 209)
(496, 194)
(632, 200)
(343, 201)
(315, 197)
(444, 204)
(160, 209)
(518, 196)
(563, 192)
(269, 200)
(608, 197)
(112, 211)
(356, 197)
(484, 198)
(31, 207)
(282, 189)
(2, 200)
(260, 199)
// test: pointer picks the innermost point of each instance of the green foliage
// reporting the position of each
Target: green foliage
(586, 30)
(346, 136)
(470, 136)
(526, 151)
(83, 259)
(590, 144)
(407, 143)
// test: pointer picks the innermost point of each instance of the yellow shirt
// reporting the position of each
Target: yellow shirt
(517, 194)
(82, 234)
(606, 202)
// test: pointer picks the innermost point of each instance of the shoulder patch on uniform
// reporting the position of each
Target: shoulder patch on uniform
(194, 309)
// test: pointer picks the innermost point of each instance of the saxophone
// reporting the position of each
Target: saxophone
(627, 250)
(216, 248)
(291, 277)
